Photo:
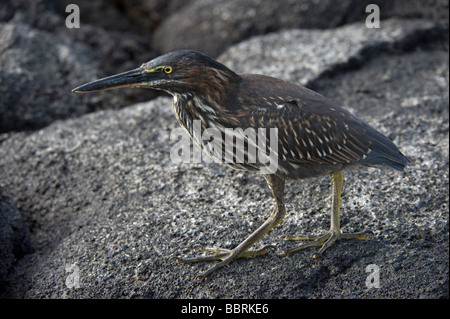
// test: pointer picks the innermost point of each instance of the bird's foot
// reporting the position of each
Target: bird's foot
(225, 256)
(325, 241)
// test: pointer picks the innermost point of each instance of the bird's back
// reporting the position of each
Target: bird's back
(315, 135)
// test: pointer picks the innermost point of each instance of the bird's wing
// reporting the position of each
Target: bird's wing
(308, 136)
(312, 129)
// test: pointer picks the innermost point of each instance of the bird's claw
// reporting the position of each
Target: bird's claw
(325, 241)
(225, 256)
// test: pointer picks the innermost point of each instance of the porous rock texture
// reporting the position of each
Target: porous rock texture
(93, 207)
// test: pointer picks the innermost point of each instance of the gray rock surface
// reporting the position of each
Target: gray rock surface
(14, 236)
(41, 61)
(107, 208)
(33, 73)
(313, 52)
(211, 27)
(119, 35)
(38, 71)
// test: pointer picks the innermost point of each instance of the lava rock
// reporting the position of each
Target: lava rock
(14, 237)
(211, 27)
(324, 51)
(109, 208)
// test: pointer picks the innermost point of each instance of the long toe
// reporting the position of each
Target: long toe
(317, 241)
(326, 241)
(225, 256)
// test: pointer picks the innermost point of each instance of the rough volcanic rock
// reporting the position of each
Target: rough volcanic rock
(107, 207)
(303, 55)
(211, 26)
(14, 237)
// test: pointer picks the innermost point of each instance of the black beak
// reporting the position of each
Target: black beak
(133, 78)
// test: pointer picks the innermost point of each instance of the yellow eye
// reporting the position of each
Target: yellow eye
(167, 69)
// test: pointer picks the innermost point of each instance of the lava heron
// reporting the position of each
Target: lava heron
(315, 136)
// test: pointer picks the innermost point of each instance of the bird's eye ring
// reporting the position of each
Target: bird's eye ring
(168, 69)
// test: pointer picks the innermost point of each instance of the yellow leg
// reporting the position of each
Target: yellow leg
(334, 234)
(225, 256)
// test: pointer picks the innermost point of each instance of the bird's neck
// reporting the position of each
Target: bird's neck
(189, 108)
(212, 101)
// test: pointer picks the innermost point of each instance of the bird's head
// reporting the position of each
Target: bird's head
(177, 72)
